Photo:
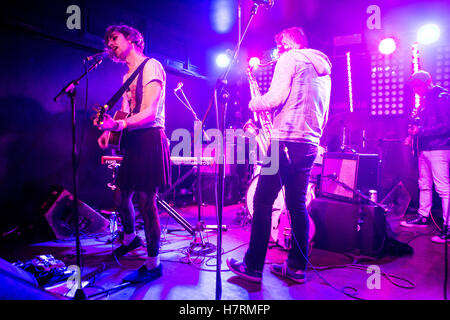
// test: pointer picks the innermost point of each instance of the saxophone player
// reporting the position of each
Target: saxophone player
(299, 96)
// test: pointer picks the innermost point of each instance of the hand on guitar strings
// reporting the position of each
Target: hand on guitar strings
(413, 130)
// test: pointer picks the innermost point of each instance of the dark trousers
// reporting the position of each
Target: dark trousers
(147, 208)
(293, 173)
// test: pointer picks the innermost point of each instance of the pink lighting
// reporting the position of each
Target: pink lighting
(416, 67)
(350, 84)
(387, 46)
(254, 62)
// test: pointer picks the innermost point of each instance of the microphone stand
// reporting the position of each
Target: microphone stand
(199, 227)
(70, 91)
(220, 92)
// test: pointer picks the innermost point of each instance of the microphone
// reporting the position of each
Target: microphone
(179, 86)
(100, 55)
(331, 176)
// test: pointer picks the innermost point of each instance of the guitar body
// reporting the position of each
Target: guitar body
(115, 136)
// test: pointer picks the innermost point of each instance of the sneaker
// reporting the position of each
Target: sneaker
(239, 268)
(441, 238)
(144, 275)
(282, 270)
(416, 221)
(124, 249)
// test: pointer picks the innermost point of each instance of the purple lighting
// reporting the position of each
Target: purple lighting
(428, 34)
(387, 46)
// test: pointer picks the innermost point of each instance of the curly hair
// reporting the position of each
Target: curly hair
(295, 37)
(129, 33)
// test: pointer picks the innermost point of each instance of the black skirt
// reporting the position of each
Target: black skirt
(146, 160)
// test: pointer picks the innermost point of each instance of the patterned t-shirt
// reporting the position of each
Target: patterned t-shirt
(153, 71)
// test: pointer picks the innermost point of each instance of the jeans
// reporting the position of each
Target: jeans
(293, 173)
(434, 168)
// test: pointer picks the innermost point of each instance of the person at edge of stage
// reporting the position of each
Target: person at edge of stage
(300, 95)
(146, 160)
(432, 130)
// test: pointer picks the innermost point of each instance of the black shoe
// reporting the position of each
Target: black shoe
(123, 249)
(285, 272)
(144, 275)
(416, 221)
(241, 270)
(441, 238)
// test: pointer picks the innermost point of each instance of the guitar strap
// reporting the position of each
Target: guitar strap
(111, 102)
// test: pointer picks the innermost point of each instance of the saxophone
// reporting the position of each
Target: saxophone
(262, 135)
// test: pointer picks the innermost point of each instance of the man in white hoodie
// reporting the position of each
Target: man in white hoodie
(299, 96)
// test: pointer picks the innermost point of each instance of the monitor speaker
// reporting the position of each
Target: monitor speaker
(356, 171)
(346, 227)
(58, 210)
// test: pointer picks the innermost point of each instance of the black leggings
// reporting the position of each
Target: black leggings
(149, 212)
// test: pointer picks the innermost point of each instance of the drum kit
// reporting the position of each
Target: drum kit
(281, 228)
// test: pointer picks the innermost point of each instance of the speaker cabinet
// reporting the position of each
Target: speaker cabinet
(231, 192)
(58, 210)
(357, 171)
(345, 227)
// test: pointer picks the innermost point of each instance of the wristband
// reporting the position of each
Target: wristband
(121, 125)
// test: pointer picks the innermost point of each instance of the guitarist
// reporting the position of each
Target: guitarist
(146, 162)
(433, 136)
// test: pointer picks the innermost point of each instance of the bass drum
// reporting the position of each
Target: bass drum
(280, 219)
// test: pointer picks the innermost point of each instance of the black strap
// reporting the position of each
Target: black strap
(111, 102)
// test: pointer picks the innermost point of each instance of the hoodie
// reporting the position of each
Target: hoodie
(300, 96)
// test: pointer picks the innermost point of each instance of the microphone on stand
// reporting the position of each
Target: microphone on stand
(100, 55)
(179, 86)
(331, 176)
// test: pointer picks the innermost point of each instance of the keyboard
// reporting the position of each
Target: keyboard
(204, 161)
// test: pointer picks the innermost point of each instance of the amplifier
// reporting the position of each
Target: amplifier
(346, 227)
(357, 171)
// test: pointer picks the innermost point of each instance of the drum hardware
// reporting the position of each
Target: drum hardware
(280, 219)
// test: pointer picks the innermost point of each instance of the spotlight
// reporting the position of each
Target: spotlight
(428, 33)
(387, 46)
(222, 60)
(254, 62)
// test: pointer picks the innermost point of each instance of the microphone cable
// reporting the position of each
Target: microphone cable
(306, 258)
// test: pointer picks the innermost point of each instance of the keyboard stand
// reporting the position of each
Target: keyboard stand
(178, 218)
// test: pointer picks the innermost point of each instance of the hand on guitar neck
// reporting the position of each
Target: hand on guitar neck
(412, 139)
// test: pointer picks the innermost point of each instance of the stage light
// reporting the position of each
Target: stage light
(254, 62)
(223, 60)
(222, 16)
(428, 34)
(387, 46)
(349, 80)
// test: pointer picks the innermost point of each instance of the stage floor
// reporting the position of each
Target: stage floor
(193, 277)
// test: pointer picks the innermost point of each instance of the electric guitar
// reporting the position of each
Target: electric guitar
(415, 138)
(114, 137)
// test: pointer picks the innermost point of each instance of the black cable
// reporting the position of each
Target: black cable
(303, 254)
